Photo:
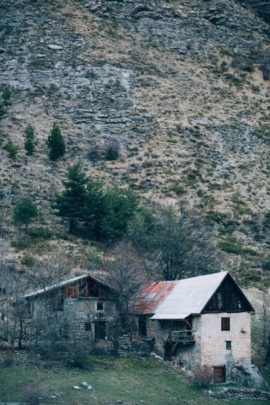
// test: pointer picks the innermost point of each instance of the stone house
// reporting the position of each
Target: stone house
(80, 308)
(202, 321)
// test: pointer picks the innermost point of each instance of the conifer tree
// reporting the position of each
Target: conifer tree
(29, 136)
(25, 211)
(56, 143)
(71, 203)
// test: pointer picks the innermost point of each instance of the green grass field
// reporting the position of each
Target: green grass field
(113, 380)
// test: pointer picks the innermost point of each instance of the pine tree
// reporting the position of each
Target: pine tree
(29, 136)
(24, 212)
(71, 203)
(11, 149)
(56, 143)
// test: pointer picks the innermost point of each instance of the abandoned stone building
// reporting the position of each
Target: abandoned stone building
(204, 321)
(201, 321)
(81, 309)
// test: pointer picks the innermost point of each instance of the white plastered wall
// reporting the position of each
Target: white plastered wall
(213, 339)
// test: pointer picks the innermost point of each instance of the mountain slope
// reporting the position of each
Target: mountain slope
(178, 84)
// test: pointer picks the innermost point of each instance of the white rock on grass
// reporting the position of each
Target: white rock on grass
(76, 387)
(86, 385)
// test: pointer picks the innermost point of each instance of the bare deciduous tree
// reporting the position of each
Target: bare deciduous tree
(174, 245)
(125, 275)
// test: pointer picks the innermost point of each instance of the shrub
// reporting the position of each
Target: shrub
(3, 109)
(230, 247)
(11, 149)
(6, 95)
(94, 154)
(21, 244)
(266, 265)
(265, 67)
(56, 143)
(202, 377)
(242, 63)
(28, 261)
(112, 151)
(40, 233)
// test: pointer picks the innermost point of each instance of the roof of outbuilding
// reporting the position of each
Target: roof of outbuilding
(72, 280)
(151, 295)
(56, 285)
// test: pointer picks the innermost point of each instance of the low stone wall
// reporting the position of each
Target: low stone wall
(240, 394)
(140, 347)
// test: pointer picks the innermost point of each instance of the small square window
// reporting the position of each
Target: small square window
(225, 324)
(87, 326)
(100, 306)
(228, 345)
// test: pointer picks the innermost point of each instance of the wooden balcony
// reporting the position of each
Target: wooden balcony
(184, 337)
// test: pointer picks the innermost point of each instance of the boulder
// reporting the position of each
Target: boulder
(248, 375)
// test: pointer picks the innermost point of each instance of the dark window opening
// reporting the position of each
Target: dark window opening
(87, 326)
(142, 326)
(225, 324)
(57, 303)
(100, 330)
(27, 310)
(228, 345)
(94, 290)
(100, 306)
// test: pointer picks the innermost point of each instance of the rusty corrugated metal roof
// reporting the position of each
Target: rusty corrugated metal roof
(151, 295)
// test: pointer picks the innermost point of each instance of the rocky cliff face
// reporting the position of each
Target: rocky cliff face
(262, 7)
(177, 84)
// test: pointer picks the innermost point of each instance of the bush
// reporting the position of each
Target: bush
(202, 377)
(266, 265)
(242, 63)
(11, 149)
(6, 95)
(112, 151)
(230, 247)
(28, 261)
(39, 233)
(265, 67)
(56, 143)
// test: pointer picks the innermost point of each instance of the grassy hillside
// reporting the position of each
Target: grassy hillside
(177, 85)
(123, 381)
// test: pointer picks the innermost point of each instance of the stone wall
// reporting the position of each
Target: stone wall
(213, 339)
(209, 348)
(77, 317)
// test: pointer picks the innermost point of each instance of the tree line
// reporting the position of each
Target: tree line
(55, 143)
(171, 244)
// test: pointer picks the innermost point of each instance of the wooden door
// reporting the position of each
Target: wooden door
(219, 374)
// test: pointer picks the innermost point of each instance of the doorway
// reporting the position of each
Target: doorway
(100, 330)
(219, 374)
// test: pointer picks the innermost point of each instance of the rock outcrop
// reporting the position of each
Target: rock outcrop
(248, 375)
